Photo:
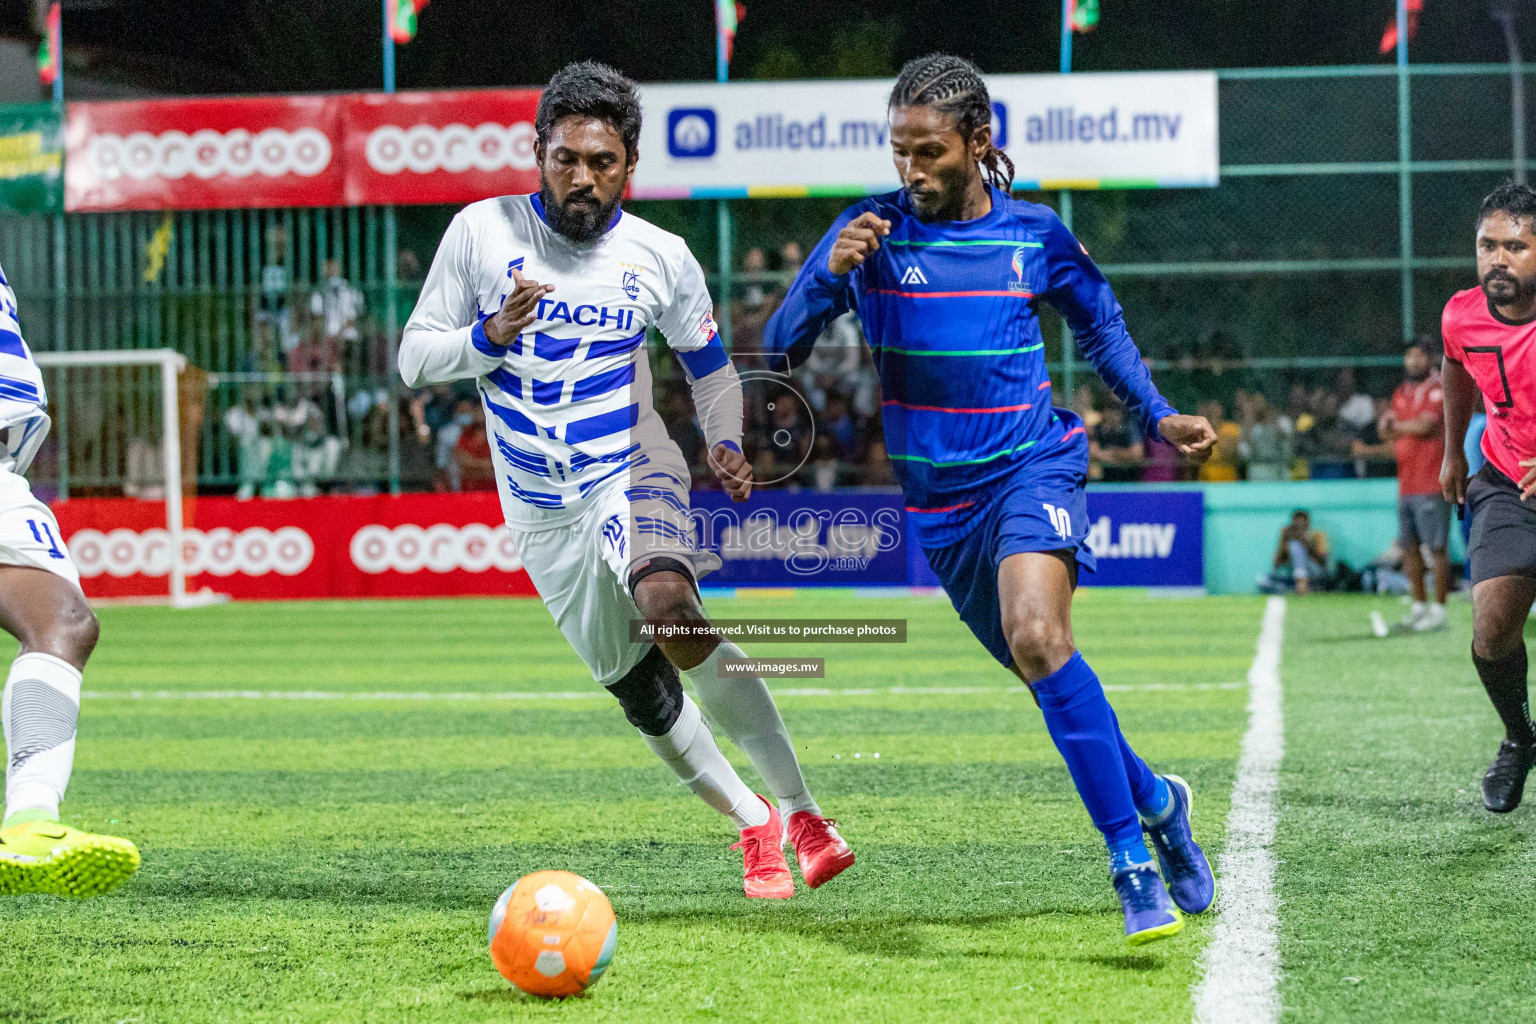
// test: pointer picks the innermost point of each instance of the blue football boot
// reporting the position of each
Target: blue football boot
(1185, 869)
(1149, 913)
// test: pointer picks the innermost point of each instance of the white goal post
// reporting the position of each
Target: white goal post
(171, 363)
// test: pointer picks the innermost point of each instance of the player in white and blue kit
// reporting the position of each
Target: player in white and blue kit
(945, 275)
(42, 606)
(545, 300)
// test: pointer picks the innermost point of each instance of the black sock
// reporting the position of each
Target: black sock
(1505, 682)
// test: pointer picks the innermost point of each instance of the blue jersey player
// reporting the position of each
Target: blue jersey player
(945, 274)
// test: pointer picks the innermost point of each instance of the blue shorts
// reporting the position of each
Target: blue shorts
(1044, 509)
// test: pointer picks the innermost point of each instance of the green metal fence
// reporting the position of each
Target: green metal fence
(1342, 224)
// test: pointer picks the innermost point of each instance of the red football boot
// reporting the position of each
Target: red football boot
(762, 853)
(822, 853)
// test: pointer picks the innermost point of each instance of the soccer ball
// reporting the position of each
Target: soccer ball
(553, 934)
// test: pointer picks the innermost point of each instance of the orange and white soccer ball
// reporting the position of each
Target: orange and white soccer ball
(553, 934)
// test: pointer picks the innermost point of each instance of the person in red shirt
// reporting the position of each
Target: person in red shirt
(1490, 347)
(1415, 427)
(472, 454)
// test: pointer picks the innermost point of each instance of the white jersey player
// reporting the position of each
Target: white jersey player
(41, 605)
(545, 301)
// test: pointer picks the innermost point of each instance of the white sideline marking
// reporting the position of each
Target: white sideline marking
(1241, 966)
(593, 694)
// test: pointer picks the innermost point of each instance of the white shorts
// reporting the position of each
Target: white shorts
(581, 569)
(29, 535)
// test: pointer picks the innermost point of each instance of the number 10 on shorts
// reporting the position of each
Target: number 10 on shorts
(1061, 520)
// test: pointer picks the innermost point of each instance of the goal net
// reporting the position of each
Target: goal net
(120, 419)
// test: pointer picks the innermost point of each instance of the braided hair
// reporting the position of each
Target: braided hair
(953, 86)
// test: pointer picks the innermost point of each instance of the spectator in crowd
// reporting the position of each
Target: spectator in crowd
(317, 353)
(834, 363)
(1416, 427)
(275, 306)
(247, 423)
(1327, 446)
(315, 452)
(791, 256)
(1372, 450)
(877, 465)
(472, 455)
(1301, 558)
(750, 312)
(1222, 466)
(265, 354)
(1265, 444)
(1357, 410)
(336, 304)
(681, 420)
(1115, 446)
(823, 464)
(838, 427)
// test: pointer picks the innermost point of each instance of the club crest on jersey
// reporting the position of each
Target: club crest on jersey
(912, 275)
(1017, 284)
(707, 326)
(631, 282)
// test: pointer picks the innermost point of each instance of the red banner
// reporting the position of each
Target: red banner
(439, 147)
(413, 545)
(203, 153)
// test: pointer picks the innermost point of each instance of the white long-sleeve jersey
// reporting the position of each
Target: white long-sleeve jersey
(24, 418)
(568, 402)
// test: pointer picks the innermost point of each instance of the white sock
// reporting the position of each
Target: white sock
(743, 707)
(1419, 608)
(689, 750)
(40, 710)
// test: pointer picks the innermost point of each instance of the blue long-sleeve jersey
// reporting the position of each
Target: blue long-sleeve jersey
(949, 312)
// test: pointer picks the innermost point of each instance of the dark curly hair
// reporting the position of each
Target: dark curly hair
(590, 89)
(1518, 201)
(953, 86)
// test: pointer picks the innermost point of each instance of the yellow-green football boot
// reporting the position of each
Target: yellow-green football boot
(43, 856)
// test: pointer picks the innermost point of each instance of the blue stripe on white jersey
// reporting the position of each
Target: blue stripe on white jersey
(23, 399)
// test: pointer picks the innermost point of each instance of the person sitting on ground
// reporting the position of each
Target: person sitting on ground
(1301, 558)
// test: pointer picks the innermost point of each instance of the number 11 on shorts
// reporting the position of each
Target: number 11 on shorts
(43, 534)
(1061, 519)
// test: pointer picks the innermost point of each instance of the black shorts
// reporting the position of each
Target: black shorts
(1503, 540)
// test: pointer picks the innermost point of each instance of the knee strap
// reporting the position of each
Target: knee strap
(651, 694)
(661, 563)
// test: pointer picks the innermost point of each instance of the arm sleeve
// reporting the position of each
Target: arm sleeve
(688, 322)
(815, 299)
(444, 340)
(1081, 294)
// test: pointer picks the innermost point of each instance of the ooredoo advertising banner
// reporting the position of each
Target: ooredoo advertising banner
(430, 545)
(203, 153)
(412, 545)
(439, 147)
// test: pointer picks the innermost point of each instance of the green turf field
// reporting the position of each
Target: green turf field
(334, 858)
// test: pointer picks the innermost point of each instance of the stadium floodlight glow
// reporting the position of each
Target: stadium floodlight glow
(170, 364)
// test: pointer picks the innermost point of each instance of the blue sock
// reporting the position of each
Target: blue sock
(1083, 727)
(1150, 791)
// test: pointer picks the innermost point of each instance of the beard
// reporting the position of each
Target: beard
(944, 201)
(1505, 289)
(582, 217)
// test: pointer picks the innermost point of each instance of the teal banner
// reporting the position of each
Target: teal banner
(31, 159)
